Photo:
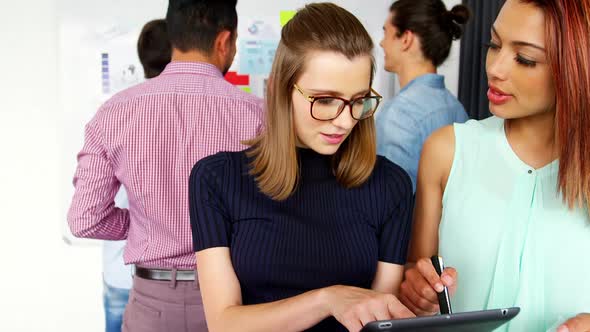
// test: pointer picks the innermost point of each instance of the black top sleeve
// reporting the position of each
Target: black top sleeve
(395, 228)
(210, 221)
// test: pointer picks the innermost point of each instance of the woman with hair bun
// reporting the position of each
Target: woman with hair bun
(417, 39)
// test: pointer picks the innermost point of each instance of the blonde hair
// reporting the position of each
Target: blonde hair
(275, 165)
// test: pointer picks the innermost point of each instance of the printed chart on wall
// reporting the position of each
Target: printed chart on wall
(98, 58)
(258, 38)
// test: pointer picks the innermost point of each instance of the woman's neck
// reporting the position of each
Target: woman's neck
(533, 138)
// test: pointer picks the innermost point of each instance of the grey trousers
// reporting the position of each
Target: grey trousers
(164, 306)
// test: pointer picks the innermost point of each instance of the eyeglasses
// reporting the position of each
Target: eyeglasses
(326, 108)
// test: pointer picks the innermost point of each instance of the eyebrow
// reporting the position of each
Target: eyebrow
(336, 93)
(519, 42)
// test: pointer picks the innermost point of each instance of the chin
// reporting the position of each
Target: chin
(494, 110)
(325, 149)
(501, 111)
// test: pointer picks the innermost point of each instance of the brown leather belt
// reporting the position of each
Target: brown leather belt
(166, 275)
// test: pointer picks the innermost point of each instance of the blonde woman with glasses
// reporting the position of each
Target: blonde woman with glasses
(308, 228)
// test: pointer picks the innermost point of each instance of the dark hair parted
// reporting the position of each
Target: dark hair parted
(195, 24)
(319, 27)
(153, 48)
(435, 26)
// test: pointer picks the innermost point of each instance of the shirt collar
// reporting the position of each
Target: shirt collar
(200, 68)
(432, 80)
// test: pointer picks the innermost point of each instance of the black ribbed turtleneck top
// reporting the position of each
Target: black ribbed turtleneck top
(322, 235)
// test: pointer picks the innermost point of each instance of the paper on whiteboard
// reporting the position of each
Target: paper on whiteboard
(258, 38)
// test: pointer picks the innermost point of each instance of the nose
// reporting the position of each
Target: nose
(345, 119)
(498, 65)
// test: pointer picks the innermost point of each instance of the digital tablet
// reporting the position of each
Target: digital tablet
(481, 321)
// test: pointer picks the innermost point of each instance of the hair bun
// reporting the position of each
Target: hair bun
(459, 14)
(454, 18)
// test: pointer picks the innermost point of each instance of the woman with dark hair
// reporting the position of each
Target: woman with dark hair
(505, 200)
(417, 39)
(308, 228)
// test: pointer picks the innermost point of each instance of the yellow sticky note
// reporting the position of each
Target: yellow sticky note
(287, 15)
(246, 89)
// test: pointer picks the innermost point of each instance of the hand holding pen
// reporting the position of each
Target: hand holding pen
(422, 285)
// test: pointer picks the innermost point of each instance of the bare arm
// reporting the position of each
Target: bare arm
(421, 282)
(220, 290)
(433, 171)
(388, 278)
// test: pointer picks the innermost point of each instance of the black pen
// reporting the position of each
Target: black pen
(444, 300)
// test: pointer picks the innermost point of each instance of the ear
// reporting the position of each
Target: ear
(223, 43)
(408, 38)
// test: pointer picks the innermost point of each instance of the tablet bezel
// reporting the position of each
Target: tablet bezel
(448, 322)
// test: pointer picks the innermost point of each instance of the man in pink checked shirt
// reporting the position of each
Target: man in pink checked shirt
(147, 138)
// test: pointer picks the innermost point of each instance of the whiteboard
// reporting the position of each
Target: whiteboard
(90, 32)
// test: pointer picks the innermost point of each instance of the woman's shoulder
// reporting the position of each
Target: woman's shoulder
(390, 187)
(455, 142)
(445, 137)
(391, 174)
(473, 134)
(222, 164)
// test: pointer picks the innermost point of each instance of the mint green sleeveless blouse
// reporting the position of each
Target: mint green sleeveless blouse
(506, 230)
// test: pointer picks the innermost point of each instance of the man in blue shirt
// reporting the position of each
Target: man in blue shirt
(417, 39)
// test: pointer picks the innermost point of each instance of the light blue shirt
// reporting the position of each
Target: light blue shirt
(405, 122)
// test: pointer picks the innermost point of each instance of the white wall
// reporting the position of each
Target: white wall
(45, 284)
